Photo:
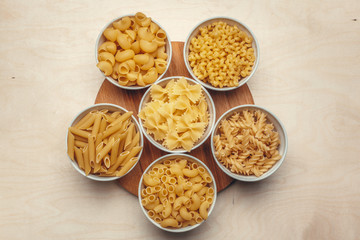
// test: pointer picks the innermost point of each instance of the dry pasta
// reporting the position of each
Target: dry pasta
(247, 143)
(104, 143)
(177, 114)
(171, 198)
(134, 51)
(221, 54)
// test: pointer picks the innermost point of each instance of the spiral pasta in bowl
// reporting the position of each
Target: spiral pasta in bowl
(177, 192)
(249, 143)
(133, 51)
(104, 142)
(176, 114)
(221, 53)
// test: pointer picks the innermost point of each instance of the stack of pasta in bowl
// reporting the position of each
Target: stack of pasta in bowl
(177, 192)
(133, 51)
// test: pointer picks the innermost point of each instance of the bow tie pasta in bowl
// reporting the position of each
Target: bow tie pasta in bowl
(133, 51)
(177, 192)
(104, 142)
(221, 53)
(249, 143)
(176, 114)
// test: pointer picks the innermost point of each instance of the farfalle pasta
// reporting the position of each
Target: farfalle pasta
(247, 143)
(177, 114)
(134, 51)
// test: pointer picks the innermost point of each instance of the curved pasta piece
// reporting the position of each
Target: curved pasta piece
(106, 56)
(106, 67)
(148, 46)
(108, 47)
(123, 24)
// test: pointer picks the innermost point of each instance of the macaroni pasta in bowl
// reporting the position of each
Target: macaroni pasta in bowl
(177, 192)
(133, 51)
(221, 53)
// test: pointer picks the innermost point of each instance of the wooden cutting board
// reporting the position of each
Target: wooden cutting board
(109, 93)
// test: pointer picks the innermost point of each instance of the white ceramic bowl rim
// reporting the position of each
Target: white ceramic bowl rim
(92, 176)
(109, 78)
(243, 80)
(172, 156)
(250, 178)
(159, 145)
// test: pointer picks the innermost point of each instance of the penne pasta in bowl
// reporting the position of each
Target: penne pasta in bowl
(133, 51)
(176, 114)
(249, 143)
(177, 192)
(104, 142)
(221, 53)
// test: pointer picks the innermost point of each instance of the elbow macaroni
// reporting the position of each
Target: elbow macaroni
(221, 55)
(179, 202)
(133, 38)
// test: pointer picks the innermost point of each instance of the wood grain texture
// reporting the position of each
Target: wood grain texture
(308, 76)
(109, 93)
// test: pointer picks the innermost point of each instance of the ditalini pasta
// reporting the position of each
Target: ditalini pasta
(177, 114)
(174, 199)
(134, 51)
(104, 143)
(221, 54)
(247, 143)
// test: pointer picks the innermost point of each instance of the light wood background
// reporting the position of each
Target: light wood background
(309, 76)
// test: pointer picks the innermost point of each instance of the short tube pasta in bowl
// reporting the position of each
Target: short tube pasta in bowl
(104, 142)
(176, 114)
(221, 53)
(133, 51)
(249, 143)
(177, 192)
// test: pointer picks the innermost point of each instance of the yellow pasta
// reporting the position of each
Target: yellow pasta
(221, 54)
(175, 208)
(172, 116)
(247, 143)
(136, 39)
(101, 150)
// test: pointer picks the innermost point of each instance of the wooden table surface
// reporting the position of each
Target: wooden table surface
(309, 76)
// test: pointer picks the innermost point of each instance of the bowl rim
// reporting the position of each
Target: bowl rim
(109, 78)
(159, 145)
(93, 176)
(251, 178)
(171, 156)
(243, 81)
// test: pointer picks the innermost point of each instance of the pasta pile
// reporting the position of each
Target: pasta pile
(247, 143)
(104, 143)
(177, 193)
(134, 51)
(177, 115)
(221, 55)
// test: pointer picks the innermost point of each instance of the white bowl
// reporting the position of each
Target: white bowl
(211, 108)
(278, 127)
(112, 108)
(232, 22)
(170, 157)
(101, 39)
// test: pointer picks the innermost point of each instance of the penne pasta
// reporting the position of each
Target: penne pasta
(98, 148)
